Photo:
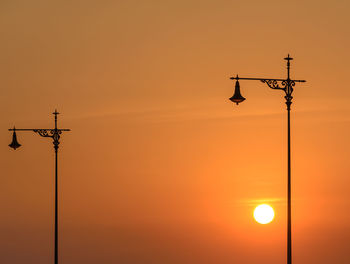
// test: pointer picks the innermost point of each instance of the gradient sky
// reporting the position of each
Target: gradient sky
(160, 167)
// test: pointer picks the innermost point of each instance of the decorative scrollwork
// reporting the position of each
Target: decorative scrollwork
(56, 138)
(289, 84)
(273, 84)
(55, 131)
(51, 133)
(42, 132)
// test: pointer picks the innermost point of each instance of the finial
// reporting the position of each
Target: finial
(288, 58)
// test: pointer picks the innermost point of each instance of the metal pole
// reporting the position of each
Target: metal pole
(289, 232)
(289, 98)
(56, 207)
(56, 143)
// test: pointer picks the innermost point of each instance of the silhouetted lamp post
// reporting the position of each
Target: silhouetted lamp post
(285, 85)
(55, 134)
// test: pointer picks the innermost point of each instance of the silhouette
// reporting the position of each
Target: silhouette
(14, 144)
(55, 134)
(285, 85)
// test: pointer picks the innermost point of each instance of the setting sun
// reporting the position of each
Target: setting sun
(264, 214)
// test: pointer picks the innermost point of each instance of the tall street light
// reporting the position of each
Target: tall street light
(285, 85)
(55, 134)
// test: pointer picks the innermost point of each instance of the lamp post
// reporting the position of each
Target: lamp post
(285, 85)
(55, 134)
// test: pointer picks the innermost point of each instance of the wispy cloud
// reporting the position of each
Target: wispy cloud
(253, 202)
(211, 111)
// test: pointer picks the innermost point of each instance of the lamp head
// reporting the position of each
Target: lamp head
(237, 97)
(14, 144)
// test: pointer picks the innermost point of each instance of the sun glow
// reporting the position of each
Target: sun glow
(264, 214)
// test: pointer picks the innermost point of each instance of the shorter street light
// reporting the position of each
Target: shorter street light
(285, 85)
(55, 134)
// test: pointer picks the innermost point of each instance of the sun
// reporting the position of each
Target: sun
(264, 214)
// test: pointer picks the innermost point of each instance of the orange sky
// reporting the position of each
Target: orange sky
(160, 168)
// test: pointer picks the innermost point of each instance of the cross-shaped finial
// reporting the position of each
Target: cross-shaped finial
(55, 113)
(288, 58)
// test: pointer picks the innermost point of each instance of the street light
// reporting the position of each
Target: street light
(55, 134)
(285, 85)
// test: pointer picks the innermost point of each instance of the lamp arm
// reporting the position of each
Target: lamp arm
(44, 132)
(53, 133)
(276, 84)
